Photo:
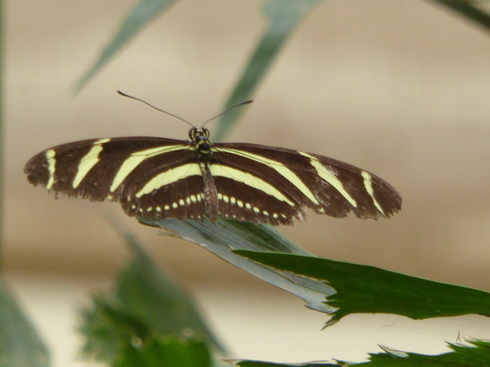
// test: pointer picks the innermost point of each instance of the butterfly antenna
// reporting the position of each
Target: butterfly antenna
(226, 111)
(156, 108)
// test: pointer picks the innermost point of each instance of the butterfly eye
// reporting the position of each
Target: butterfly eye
(205, 132)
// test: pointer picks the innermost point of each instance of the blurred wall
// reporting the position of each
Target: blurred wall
(400, 88)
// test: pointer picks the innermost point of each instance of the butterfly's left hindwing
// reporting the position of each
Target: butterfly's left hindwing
(176, 194)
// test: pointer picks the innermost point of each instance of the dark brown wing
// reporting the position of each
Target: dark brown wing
(156, 177)
(326, 185)
(119, 169)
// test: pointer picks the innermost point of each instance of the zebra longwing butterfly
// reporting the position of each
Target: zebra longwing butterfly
(195, 179)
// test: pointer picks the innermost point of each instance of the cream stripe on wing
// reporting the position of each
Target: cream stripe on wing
(50, 157)
(279, 167)
(248, 179)
(368, 184)
(88, 161)
(330, 177)
(135, 159)
(168, 177)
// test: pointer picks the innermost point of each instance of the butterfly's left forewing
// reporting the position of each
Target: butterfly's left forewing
(117, 169)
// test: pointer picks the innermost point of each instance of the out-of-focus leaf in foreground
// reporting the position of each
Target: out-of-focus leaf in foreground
(141, 15)
(367, 289)
(146, 317)
(283, 17)
(162, 352)
(475, 355)
(469, 10)
(20, 345)
(227, 235)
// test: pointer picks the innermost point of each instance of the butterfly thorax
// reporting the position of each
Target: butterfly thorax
(200, 141)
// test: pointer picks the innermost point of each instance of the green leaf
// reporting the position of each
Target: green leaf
(479, 354)
(469, 11)
(475, 355)
(269, 364)
(334, 287)
(20, 345)
(146, 311)
(226, 235)
(367, 289)
(141, 15)
(283, 18)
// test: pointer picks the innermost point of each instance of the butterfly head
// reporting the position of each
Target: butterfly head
(200, 140)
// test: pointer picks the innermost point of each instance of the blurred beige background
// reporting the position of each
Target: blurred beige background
(400, 88)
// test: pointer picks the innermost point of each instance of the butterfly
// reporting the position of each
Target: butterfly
(154, 177)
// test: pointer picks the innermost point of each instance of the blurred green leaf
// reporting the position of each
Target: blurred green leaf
(169, 352)
(468, 10)
(367, 289)
(283, 18)
(146, 310)
(226, 235)
(2, 128)
(141, 15)
(20, 345)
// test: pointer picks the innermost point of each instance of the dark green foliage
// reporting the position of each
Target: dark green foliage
(20, 345)
(146, 318)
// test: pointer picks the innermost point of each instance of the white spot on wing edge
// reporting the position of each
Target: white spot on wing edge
(328, 176)
(368, 184)
(88, 161)
(51, 158)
